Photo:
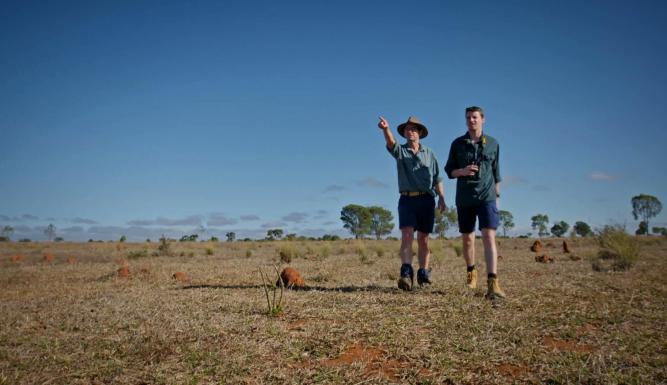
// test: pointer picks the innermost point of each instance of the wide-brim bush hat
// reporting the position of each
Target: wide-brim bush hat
(423, 131)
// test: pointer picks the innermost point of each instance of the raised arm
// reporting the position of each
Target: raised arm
(388, 136)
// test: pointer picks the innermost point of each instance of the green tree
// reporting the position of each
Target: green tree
(582, 229)
(231, 236)
(539, 223)
(659, 230)
(7, 231)
(560, 228)
(122, 239)
(274, 234)
(381, 221)
(357, 219)
(506, 221)
(445, 220)
(50, 231)
(642, 229)
(645, 207)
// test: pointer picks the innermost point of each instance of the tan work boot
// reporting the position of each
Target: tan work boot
(471, 279)
(494, 290)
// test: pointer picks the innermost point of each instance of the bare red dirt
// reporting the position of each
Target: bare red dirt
(16, 258)
(565, 346)
(510, 370)
(48, 257)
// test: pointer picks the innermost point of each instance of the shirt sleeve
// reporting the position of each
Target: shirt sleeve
(496, 166)
(395, 152)
(437, 177)
(451, 164)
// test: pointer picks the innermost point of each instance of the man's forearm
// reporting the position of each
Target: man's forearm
(440, 188)
(389, 138)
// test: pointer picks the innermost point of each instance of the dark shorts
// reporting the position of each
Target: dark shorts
(417, 212)
(487, 213)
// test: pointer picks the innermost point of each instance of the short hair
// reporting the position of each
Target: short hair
(473, 109)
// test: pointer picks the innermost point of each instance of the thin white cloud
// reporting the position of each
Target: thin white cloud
(192, 220)
(274, 224)
(512, 180)
(141, 222)
(372, 182)
(334, 188)
(72, 230)
(601, 176)
(295, 217)
(220, 219)
(84, 221)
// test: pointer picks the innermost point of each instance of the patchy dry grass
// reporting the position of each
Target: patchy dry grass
(562, 323)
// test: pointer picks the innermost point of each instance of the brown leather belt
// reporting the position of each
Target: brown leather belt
(413, 193)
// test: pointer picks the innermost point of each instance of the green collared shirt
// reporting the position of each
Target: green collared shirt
(479, 188)
(416, 172)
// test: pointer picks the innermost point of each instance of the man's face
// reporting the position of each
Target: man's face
(474, 120)
(411, 132)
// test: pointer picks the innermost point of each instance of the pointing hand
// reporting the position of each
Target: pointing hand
(383, 124)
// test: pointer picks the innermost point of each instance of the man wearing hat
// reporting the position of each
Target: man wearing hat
(419, 181)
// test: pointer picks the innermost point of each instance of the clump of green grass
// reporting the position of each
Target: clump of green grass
(618, 250)
(325, 251)
(287, 252)
(458, 249)
(136, 254)
(248, 253)
(209, 251)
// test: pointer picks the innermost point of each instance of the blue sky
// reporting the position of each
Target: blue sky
(146, 117)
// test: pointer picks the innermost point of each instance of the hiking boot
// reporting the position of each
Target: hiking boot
(424, 277)
(407, 277)
(494, 290)
(471, 279)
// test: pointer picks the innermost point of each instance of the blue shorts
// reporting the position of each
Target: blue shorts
(417, 212)
(487, 213)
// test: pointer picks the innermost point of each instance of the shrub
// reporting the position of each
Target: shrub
(325, 251)
(164, 248)
(618, 248)
(286, 253)
(209, 251)
(248, 253)
(135, 254)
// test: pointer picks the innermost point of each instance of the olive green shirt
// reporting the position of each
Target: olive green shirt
(416, 172)
(479, 188)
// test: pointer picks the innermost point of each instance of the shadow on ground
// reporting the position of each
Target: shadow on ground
(338, 289)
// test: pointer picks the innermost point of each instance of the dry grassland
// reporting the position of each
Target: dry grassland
(75, 320)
